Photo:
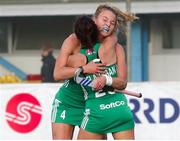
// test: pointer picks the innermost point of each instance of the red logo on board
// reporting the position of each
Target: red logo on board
(23, 113)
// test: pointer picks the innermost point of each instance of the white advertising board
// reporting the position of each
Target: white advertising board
(25, 110)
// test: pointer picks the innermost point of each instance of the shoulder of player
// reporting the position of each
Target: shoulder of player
(119, 46)
(120, 50)
(73, 39)
(71, 42)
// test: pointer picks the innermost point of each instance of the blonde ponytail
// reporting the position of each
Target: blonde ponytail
(124, 17)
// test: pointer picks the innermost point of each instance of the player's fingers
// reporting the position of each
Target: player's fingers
(102, 68)
(101, 72)
(98, 87)
(100, 64)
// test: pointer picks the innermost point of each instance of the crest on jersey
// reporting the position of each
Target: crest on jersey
(90, 51)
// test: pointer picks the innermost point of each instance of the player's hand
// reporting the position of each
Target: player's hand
(99, 83)
(93, 68)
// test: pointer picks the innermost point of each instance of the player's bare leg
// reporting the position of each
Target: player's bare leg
(124, 135)
(85, 135)
(61, 131)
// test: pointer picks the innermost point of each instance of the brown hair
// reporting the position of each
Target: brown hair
(86, 31)
(47, 47)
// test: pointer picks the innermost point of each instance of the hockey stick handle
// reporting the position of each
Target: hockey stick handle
(130, 93)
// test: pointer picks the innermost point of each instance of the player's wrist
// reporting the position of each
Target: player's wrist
(79, 70)
(85, 69)
(109, 80)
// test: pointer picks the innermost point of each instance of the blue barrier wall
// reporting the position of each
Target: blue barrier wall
(139, 53)
(22, 75)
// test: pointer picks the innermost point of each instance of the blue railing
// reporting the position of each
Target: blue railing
(22, 75)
